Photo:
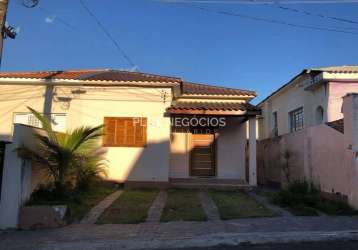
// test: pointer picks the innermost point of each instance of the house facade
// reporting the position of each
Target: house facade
(158, 130)
(312, 97)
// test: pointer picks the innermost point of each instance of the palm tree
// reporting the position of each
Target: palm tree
(71, 158)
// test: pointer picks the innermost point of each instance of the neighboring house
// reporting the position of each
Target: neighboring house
(308, 131)
(312, 97)
(137, 109)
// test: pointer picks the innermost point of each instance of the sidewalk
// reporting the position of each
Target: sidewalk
(188, 234)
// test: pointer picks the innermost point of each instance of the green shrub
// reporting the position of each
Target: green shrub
(49, 194)
(297, 193)
(335, 207)
(303, 198)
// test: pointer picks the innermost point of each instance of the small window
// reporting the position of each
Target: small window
(296, 119)
(274, 124)
(58, 121)
(125, 132)
(319, 115)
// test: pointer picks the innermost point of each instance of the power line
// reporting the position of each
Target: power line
(59, 19)
(108, 34)
(307, 13)
(274, 21)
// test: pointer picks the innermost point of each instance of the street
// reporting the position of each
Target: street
(328, 245)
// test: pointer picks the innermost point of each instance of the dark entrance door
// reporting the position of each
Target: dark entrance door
(202, 156)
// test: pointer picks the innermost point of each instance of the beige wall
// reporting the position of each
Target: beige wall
(231, 144)
(150, 163)
(326, 95)
(289, 99)
(230, 156)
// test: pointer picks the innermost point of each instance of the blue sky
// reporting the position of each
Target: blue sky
(179, 40)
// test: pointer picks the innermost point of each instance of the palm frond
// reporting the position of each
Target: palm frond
(46, 124)
(83, 137)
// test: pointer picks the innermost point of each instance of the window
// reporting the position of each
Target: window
(296, 119)
(58, 121)
(274, 124)
(125, 132)
(319, 115)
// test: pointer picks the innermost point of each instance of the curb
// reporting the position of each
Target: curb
(207, 240)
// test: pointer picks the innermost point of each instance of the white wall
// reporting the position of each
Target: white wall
(16, 186)
(327, 95)
(150, 163)
(231, 144)
(230, 156)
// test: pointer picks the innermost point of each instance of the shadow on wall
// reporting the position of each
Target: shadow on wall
(147, 164)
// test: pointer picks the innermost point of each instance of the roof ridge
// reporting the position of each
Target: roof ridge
(48, 71)
(144, 73)
(220, 87)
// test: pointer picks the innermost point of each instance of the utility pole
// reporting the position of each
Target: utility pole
(3, 10)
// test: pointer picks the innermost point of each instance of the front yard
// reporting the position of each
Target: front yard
(130, 208)
(236, 204)
(79, 203)
(183, 205)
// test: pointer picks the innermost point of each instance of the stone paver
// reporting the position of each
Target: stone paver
(263, 200)
(174, 234)
(96, 211)
(209, 206)
(157, 207)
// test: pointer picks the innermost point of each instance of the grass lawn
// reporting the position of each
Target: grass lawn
(183, 205)
(80, 203)
(130, 208)
(235, 204)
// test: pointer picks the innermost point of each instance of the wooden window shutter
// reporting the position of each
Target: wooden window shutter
(125, 132)
(109, 131)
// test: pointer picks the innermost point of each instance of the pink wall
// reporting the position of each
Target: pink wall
(337, 90)
(320, 153)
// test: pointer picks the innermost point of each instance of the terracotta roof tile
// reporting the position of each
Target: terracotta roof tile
(204, 89)
(212, 106)
(95, 74)
(337, 69)
(68, 75)
(127, 76)
(337, 125)
(114, 75)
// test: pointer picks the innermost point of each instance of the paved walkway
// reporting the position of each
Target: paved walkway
(264, 201)
(157, 207)
(209, 206)
(174, 234)
(96, 211)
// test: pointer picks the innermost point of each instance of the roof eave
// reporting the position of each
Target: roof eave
(72, 82)
(286, 85)
(207, 96)
(213, 112)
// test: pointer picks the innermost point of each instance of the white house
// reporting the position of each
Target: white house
(312, 97)
(159, 131)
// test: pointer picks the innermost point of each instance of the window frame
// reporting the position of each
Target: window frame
(293, 120)
(37, 123)
(143, 125)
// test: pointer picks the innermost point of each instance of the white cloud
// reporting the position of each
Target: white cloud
(50, 19)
